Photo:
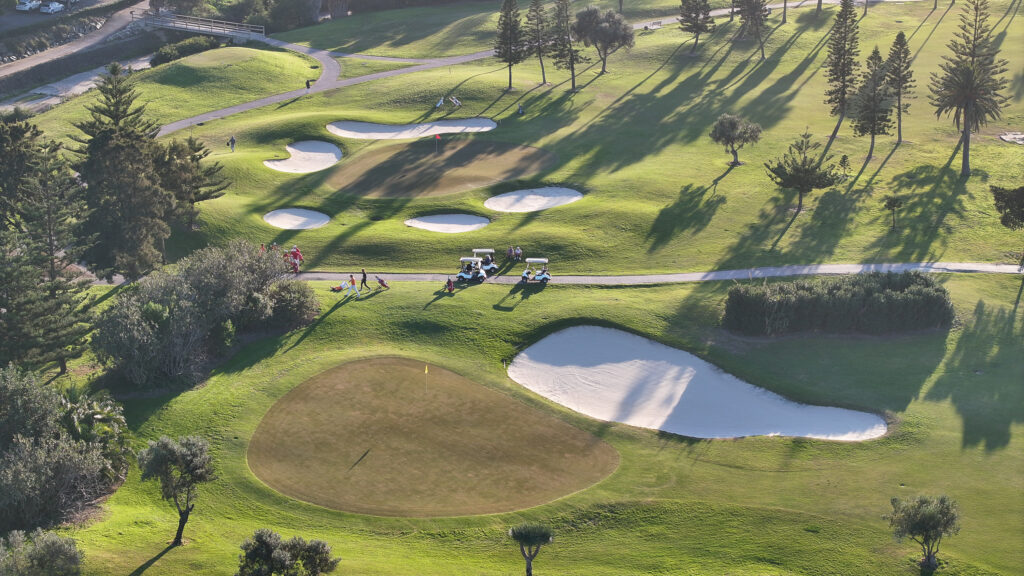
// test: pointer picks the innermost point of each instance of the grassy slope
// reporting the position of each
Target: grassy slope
(635, 140)
(354, 67)
(750, 506)
(200, 83)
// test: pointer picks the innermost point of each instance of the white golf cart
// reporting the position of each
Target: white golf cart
(469, 270)
(487, 264)
(532, 273)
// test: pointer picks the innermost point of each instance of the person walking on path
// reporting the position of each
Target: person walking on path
(231, 142)
(308, 84)
(352, 285)
(362, 283)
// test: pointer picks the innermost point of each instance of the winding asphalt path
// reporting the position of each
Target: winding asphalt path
(713, 276)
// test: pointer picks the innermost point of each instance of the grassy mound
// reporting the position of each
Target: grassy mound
(381, 436)
(414, 169)
(199, 83)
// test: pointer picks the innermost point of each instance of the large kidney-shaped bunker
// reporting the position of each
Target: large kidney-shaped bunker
(393, 437)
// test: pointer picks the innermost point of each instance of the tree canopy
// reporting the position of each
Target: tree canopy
(900, 79)
(695, 18)
(531, 537)
(734, 132)
(925, 520)
(180, 467)
(799, 169)
(266, 554)
(606, 32)
(841, 63)
(872, 102)
(510, 45)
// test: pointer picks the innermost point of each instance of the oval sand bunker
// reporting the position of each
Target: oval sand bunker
(448, 223)
(372, 131)
(379, 436)
(306, 156)
(532, 200)
(296, 219)
(617, 376)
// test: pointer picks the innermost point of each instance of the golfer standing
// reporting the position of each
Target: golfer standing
(231, 142)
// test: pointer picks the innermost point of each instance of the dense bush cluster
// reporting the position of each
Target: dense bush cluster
(39, 554)
(187, 47)
(163, 328)
(57, 452)
(266, 554)
(875, 303)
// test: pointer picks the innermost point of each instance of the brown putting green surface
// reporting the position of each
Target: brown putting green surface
(381, 437)
(415, 170)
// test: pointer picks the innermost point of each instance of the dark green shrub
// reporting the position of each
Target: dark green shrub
(875, 303)
(295, 304)
(186, 47)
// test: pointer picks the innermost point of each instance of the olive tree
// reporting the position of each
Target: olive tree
(925, 520)
(734, 132)
(180, 466)
(266, 554)
(606, 32)
(39, 554)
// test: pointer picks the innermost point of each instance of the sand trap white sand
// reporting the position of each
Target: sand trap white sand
(449, 223)
(1012, 137)
(296, 219)
(306, 156)
(614, 375)
(532, 200)
(371, 131)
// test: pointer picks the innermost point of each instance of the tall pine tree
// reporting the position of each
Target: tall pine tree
(872, 103)
(128, 208)
(538, 30)
(753, 14)
(51, 208)
(970, 82)
(21, 300)
(564, 52)
(510, 45)
(19, 144)
(695, 18)
(900, 78)
(184, 175)
(841, 63)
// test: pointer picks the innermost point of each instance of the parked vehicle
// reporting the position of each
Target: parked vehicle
(487, 264)
(533, 273)
(28, 5)
(52, 8)
(469, 270)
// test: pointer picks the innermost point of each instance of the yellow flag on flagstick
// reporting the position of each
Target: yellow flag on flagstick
(426, 368)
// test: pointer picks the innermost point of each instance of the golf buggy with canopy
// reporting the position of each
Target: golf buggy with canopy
(487, 264)
(469, 270)
(531, 272)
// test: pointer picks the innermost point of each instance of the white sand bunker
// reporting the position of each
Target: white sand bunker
(614, 375)
(532, 200)
(296, 219)
(1012, 137)
(449, 223)
(306, 156)
(371, 131)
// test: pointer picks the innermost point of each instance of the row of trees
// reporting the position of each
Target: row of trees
(109, 202)
(967, 87)
(556, 35)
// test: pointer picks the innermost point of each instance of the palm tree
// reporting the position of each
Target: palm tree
(530, 538)
(968, 87)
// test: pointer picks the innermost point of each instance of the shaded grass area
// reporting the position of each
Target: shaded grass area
(199, 83)
(386, 437)
(428, 168)
(745, 506)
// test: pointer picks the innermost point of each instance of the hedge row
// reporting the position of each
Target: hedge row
(875, 303)
(186, 47)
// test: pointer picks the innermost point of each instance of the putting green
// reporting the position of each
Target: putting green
(415, 169)
(382, 437)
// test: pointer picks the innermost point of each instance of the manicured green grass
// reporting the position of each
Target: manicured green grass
(426, 168)
(199, 83)
(387, 437)
(355, 67)
(660, 195)
(747, 506)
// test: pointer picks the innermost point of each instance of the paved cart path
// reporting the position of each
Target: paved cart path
(711, 276)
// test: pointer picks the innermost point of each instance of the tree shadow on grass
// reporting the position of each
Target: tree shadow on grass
(932, 196)
(691, 212)
(149, 563)
(982, 377)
